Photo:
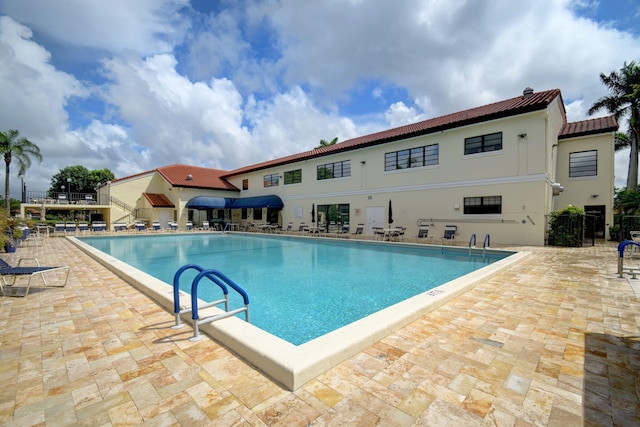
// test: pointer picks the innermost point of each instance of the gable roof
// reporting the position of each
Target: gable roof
(519, 105)
(195, 177)
(158, 200)
(588, 127)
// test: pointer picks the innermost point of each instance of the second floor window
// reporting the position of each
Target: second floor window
(245, 184)
(583, 163)
(483, 143)
(334, 170)
(293, 177)
(272, 180)
(412, 158)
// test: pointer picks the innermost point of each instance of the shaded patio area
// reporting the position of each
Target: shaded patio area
(554, 340)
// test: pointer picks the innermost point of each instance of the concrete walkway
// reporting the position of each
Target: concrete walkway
(552, 341)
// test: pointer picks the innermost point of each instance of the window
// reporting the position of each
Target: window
(333, 215)
(334, 170)
(483, 205)
(583, 163)
(484, 143)
(293, 177)
(245, 184)
(416, 157)
(272, 180)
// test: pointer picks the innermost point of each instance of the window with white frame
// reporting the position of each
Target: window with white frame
(583, 163)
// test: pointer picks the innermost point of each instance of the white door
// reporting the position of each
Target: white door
(164, 215)
(375, 218)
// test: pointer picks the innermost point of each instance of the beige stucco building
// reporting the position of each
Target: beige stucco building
(488, 170)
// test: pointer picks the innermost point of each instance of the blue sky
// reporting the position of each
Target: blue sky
(132, 86)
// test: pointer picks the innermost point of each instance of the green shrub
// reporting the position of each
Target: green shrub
(566, 227)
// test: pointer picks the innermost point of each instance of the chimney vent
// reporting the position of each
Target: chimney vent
(527, 92)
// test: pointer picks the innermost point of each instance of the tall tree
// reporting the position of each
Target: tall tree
(324, 143)
(81, 179)
(623, 101)
(14, 147)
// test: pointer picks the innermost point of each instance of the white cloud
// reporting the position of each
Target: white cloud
(146, 26)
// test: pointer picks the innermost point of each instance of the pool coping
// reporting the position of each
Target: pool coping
(291, 365)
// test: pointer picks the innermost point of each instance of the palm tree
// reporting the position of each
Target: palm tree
(21, 149)
(324, 143)
(624, 99)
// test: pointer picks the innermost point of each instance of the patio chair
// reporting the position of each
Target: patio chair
(449, 235)
(378, 233)
(400, 233)
(423, 233)
(10, 276)
(289, 227)
(155, 225)
(140, 226)
(173, 225)
(83, 226)
(189, 225)
(359, 229)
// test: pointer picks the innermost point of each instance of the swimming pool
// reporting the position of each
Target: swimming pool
(299, 289)
(288, 363)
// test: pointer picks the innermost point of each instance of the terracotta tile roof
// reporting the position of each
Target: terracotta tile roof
(510, 107)
(195, 177)
(588, 127)
(158, 200)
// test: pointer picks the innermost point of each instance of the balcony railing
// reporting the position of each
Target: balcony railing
(64, 198)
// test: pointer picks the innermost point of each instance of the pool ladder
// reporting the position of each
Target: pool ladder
(621, 269)
(217, 278)
(485, 244)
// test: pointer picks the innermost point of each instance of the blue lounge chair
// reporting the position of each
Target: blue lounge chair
(10, 275)
(155, 225)
(119, 226)
(189, 225)
(98, 226)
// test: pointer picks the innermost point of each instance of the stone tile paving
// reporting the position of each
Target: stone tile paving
(552, 341)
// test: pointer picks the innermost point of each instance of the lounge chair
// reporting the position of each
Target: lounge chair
(303, 227)
(119, 226)
(449, 235)
(59, 228)
(289, 227)
(189, 225)
(155, 225)
(10, 275)
(83, 226)
(205, 225)
(173, 225)
(98, 226)
(140, 226)
(70, 227)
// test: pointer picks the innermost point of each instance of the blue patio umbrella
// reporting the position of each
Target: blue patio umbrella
(390, 214)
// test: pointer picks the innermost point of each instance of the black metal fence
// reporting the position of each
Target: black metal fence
(623, 225)
(570, 230)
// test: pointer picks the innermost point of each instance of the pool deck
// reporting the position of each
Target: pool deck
(553, 340)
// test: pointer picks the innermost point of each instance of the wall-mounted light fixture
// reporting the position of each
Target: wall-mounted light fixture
(594, 196)
(522, 135)
(363, 162)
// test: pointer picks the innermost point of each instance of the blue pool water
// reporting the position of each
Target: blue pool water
(299, 289)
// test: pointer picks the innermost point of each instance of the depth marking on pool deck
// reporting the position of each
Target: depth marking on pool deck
(291, 365)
